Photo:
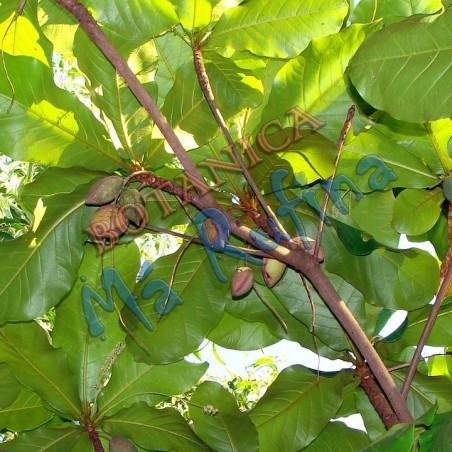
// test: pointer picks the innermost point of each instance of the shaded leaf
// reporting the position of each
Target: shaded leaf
(226, 428)
(45, 439)
(89, 357)
(417, 211)
(133, 382)
(41, 265)
(298, 401)
(25, 413)
(40, 367)
(336, 433)
(163, 429)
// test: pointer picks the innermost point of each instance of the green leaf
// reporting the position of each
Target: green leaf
(237, 334)
(440, 335)
(438, 434)
(417, 211)
(48, 125)
(226, 428)
(38, 366)
(390, 11)
(395, 280)
(88, 356)
(233, 88)
(128, 123)
(133, 382)
(130, 18)
(34, 277)
(194, 283)
(194, 14)
(300, 402)
(400, 437)
(410, 168)
(25, 413)
(404, 69)
(251, 26)
(372, 422)
(45, 439)
(186, 108)
(162, 429)
(426, 391)
(9, 386)
(314, 82)
(327, 329)
(336, 433)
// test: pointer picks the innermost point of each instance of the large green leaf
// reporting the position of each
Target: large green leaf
(417, 211)
(438, 434)
(202, 297)
(314, 82)
(39, 366)
(251, 26)
(41, 265)
(48, 125)
(133, 382)
(390, 11)
(336, 433)
(405, 69)
(237, 334)
(426, 392)
(45, 439)
(224, 427)
(25, 413)
(129, 125)
(9, 386)
(319, 317)
(90, 357)
(163, 429)
(300, 402)
(131, 19)
(194, 14)
(186, 108)
(389, 157)
(405, 279)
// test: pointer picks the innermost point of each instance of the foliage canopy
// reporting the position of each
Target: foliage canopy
(284, 76)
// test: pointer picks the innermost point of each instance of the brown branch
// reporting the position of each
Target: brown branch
(206, 88)
(293, 255)
(376, 396)
(426, 332)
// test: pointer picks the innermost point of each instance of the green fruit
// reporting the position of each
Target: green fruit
(272, 271)
(121, 444)
(104, 191)
(447, 188)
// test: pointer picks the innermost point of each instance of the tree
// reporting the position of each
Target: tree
(270, 111)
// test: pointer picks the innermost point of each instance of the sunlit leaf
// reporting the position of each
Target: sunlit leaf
(404, 69)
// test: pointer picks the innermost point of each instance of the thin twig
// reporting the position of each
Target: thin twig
(426, 332)
(17, 13)
(206, 88)
(340, 144)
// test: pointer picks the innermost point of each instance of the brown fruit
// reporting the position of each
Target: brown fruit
(121, 444)
(242, 281)
(107, 220)
(272, 271)
(104, 191)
